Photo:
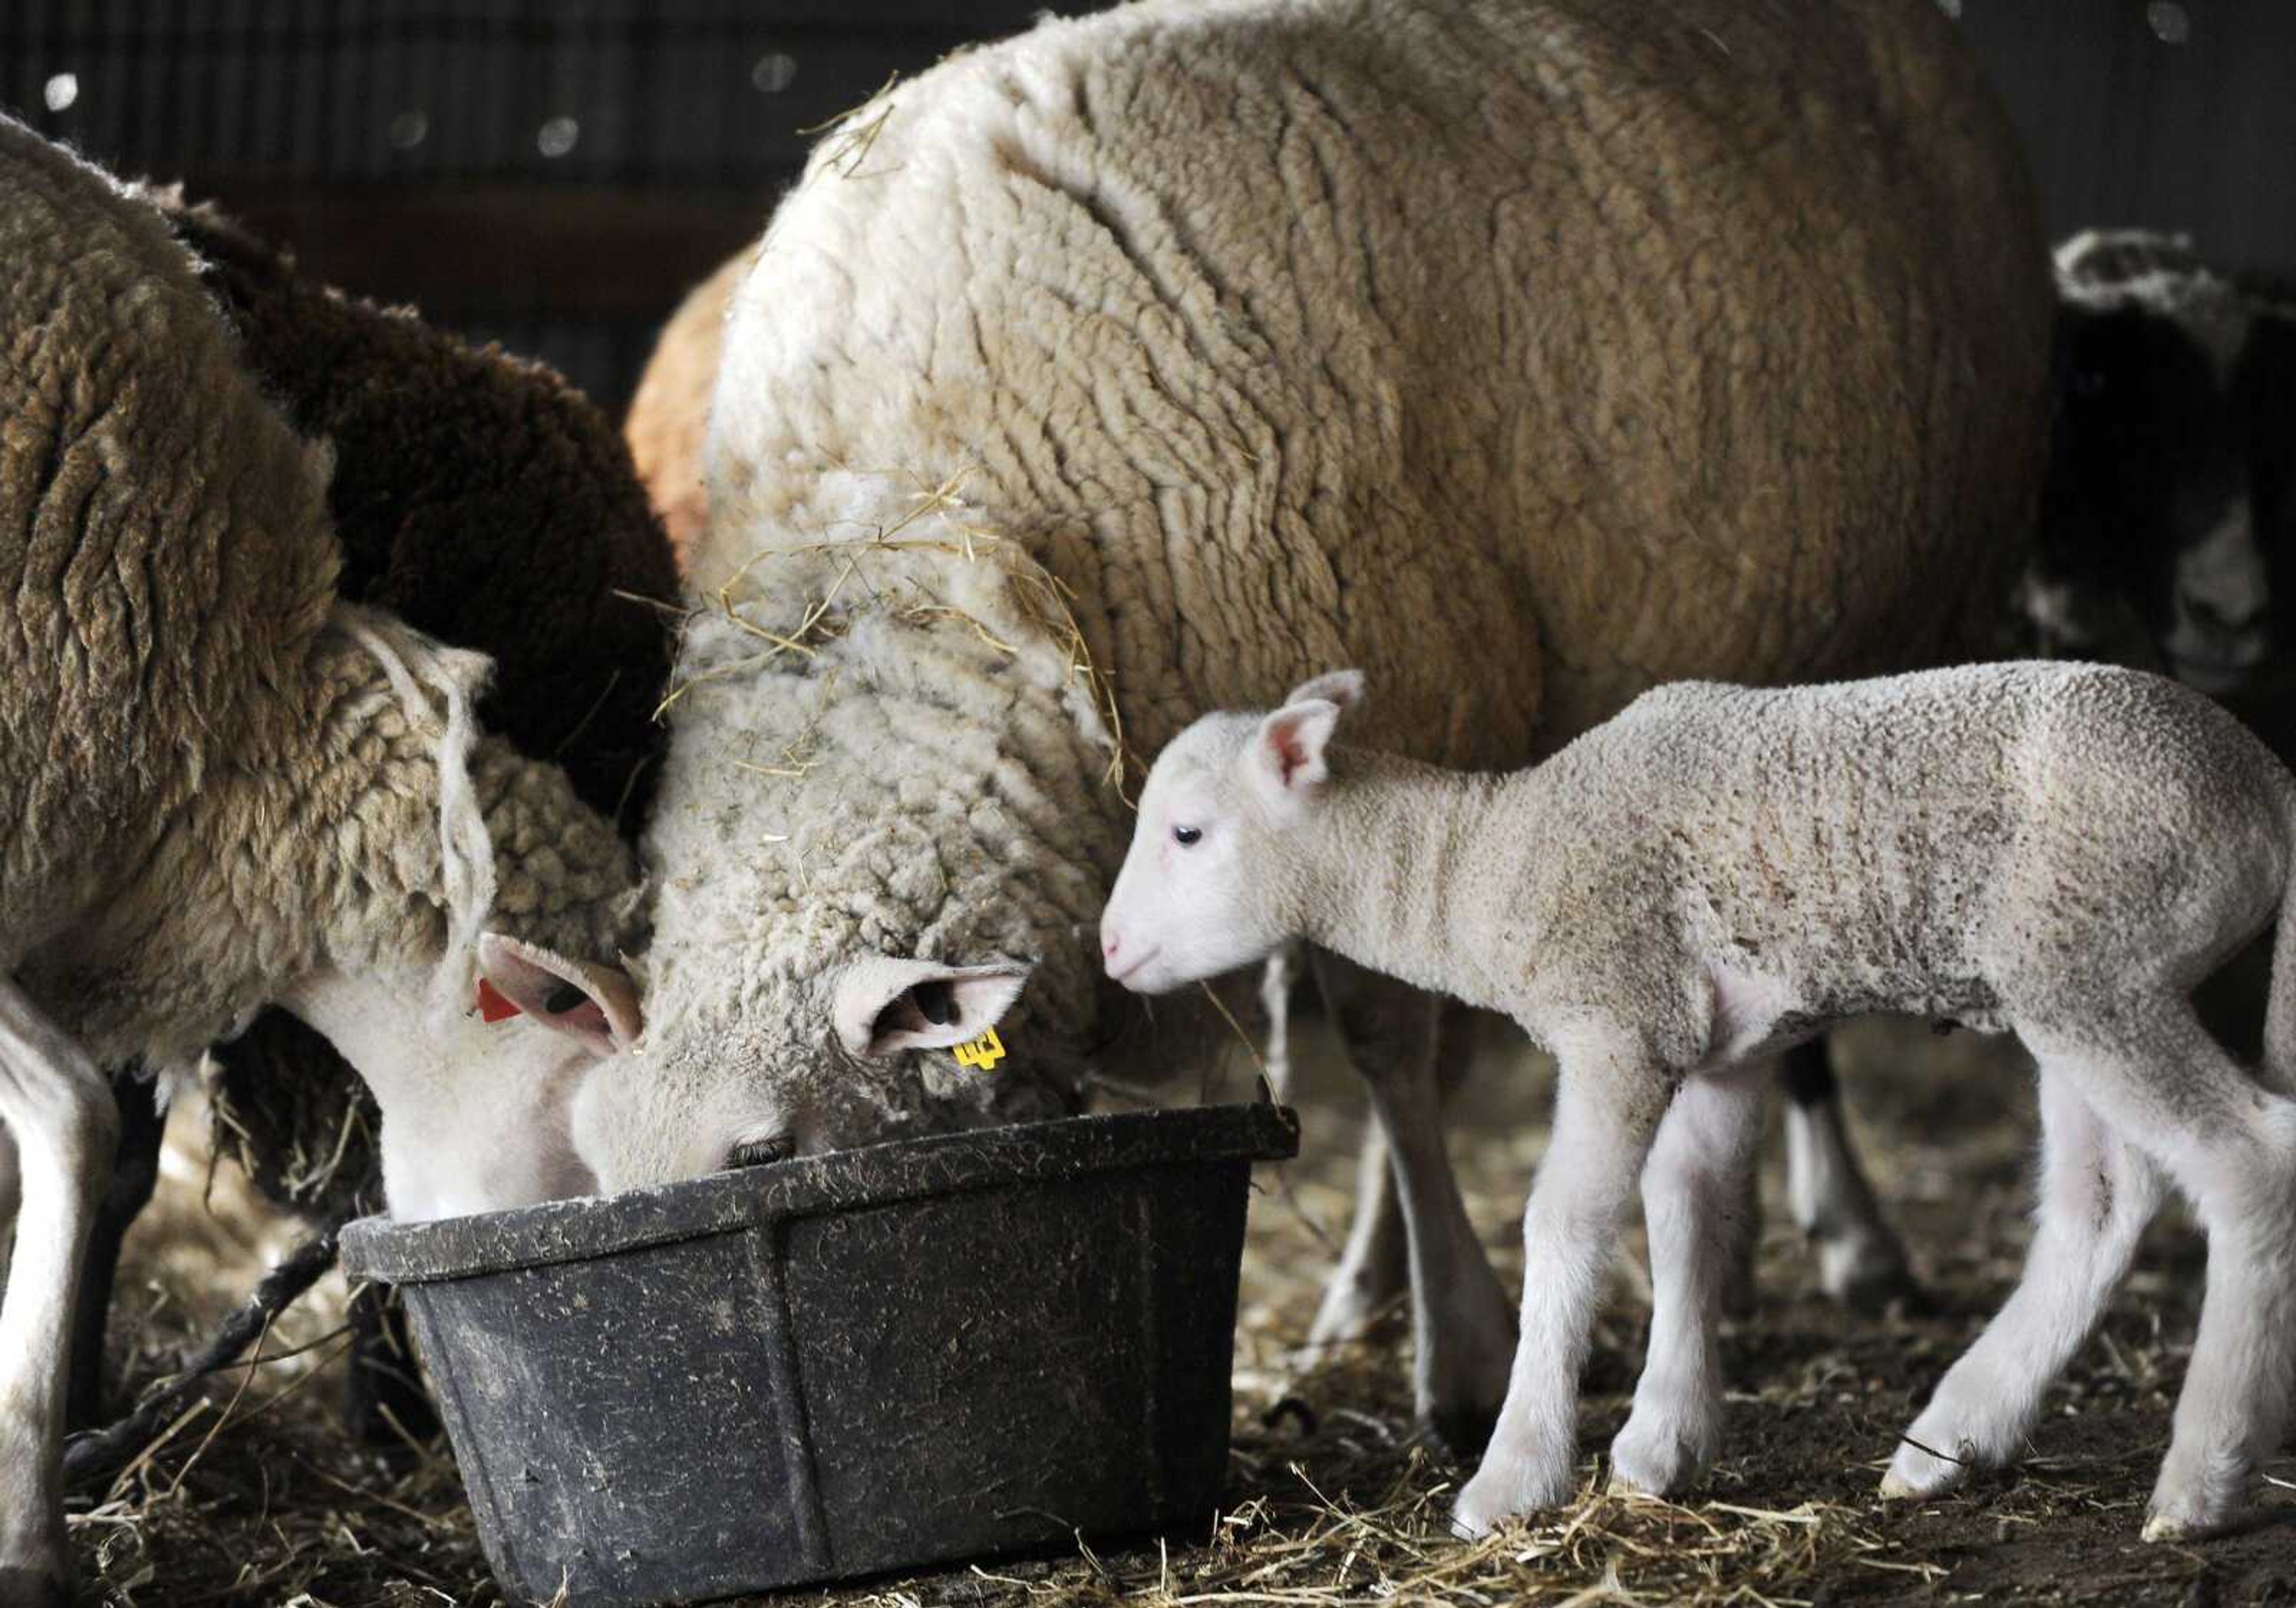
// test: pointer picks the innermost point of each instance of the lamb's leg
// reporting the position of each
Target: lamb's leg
(2096, 1196)
(134, 1174)
(1861, 1263)
(2230, 1146)
(1608, 1104)
(1276, 980)
(1462, 1329)
(1694, 1202)
(60, 1109)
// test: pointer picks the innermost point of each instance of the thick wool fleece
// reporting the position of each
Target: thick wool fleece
(1522, 353)
(208, 786)
(482, 499)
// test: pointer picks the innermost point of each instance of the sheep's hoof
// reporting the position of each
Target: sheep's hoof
(2180, 1523)
(31, 1588)
(1464, 1430)
(1504, 1489)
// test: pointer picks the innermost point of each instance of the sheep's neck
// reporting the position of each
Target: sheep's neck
(1390, 871)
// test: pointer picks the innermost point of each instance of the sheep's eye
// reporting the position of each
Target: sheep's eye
(1187, 836)
(759, 1153)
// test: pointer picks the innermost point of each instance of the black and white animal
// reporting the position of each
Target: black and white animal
(2060, 851)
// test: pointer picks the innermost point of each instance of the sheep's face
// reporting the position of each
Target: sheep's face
(1203, 887)
(2148, 513)
(750, 1076)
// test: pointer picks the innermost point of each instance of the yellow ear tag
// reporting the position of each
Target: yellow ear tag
(983, 1052)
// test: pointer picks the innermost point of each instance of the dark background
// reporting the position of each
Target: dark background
(555, 175)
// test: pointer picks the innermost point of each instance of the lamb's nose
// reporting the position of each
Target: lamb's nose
(1108, 944)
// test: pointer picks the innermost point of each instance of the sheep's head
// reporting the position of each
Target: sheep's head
(800, 1066)
(1202, 889)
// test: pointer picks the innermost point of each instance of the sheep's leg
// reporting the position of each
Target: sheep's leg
(1861, 1261)
(2230, 1146)
(1276, 977)
(2096, 1196)
(1375, 1268)
(1461, 1330)
(1608, 1105)
(134, 1173)
(60, 1109)
(7, 1195)
(1694, 1202)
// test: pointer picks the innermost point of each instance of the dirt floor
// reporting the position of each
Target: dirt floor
(257, 1498)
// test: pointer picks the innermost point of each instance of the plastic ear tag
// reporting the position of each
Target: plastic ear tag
(983, 1052)
(493, 1005)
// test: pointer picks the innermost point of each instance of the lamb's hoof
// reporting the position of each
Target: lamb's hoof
(31, 1588)
(1657, 1461)
(1350, 1312)
(2193, 1519)
(1504, 1489)
(1915, 1473)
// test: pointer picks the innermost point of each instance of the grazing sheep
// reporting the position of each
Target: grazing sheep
(484, 501)
(221, 788)
(1529, 354)
(2060, 851)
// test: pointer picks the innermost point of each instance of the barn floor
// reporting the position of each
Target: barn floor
(257, 1499)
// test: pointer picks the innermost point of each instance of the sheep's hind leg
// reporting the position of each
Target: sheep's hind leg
(60, 1109)
(2229, 1144)
(2096, 1194)
(1694, 1201)
(1462, 1327)
(1861, 1261)
(1608, 1105)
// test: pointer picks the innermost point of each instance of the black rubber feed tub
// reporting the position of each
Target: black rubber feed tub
(930, 1350)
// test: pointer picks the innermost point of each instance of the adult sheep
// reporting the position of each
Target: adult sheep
(1524, 354)
(222, 787)
(485, 501)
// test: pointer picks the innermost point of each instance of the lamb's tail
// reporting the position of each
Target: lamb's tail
(466, 850)
(2280, 1003)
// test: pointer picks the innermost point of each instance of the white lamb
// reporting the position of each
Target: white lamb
(2060, 851)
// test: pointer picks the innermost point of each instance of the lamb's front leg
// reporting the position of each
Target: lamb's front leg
(60, 1110)
(1609, 1100)
(1695, 1204)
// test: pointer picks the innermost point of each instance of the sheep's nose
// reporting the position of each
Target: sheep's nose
(1108, 944)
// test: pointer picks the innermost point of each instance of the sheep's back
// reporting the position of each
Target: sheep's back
(1524, 355)
(163, 540)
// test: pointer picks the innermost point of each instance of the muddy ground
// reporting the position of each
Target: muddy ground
(256, 1498)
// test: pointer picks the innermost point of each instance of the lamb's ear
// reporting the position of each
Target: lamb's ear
(1345, 687)
(884, 1004)
(596, 1005)
(1285, 760)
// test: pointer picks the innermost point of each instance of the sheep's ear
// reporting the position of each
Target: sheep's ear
(1345, 687)
(884, 1004)
(596, 1005)
(1285, 760)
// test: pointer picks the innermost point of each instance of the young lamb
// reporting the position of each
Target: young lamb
(222, 787)
(2060, 851)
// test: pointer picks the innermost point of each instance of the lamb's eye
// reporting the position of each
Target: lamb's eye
(759, 1153)
(1187, 836)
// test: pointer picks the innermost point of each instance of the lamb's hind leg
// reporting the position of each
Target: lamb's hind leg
(60, 1110)
(1463, 1330)
(1695, 1204)
(2096, 1196)
(2229, 1144)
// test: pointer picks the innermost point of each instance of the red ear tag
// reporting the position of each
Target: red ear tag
(493, 1007)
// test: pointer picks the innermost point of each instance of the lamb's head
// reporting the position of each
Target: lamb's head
(1207, 885)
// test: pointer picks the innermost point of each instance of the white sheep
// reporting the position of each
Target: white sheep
(1149, 361)
(221, 788)
(2060, 851)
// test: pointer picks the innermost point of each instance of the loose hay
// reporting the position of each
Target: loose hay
(1331, 1498)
